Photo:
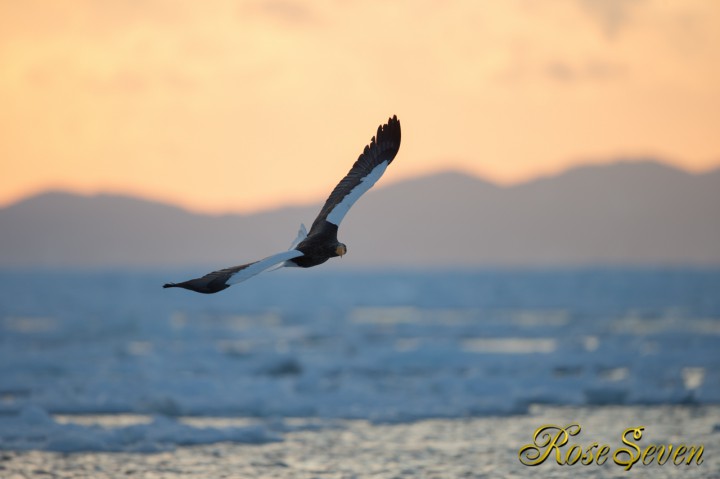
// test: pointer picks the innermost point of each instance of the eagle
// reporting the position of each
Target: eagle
(320, 243)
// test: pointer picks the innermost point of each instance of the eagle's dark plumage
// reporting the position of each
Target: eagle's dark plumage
(321, 243)
(382, 148)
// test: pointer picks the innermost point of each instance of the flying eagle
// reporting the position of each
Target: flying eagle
(321, 243)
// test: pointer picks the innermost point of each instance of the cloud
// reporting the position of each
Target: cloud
(562, 71)
(284, 11)
(611, 15)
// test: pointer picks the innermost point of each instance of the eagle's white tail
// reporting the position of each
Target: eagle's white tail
(302, 234)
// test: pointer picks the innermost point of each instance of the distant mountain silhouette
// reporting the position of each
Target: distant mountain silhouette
(639, 212)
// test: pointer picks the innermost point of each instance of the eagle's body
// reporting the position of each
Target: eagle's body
(321, 243)
(318, 247)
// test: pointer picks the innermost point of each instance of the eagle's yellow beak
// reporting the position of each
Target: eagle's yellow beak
(341, 250)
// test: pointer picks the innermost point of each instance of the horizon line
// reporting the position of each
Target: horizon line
(547, 175)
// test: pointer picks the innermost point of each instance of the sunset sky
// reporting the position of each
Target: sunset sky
(242, 105)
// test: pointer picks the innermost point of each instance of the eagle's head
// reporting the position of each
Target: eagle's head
(340, 249)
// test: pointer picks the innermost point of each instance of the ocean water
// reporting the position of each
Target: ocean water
(298, 351)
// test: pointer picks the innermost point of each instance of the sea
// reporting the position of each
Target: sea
(105, 362)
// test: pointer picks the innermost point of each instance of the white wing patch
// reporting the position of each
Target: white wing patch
(340, 210)
(262, 265)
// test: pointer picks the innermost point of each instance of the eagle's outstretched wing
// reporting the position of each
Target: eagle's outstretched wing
(368, 168)
(221, 279)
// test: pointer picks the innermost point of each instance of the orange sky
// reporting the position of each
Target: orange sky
(235, 106)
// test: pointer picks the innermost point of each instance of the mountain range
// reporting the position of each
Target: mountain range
(624, 213)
